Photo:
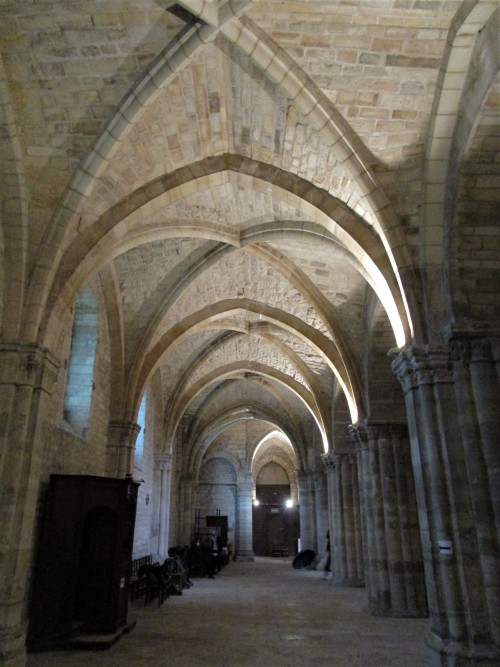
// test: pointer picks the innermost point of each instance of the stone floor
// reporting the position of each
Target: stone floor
(260, 614)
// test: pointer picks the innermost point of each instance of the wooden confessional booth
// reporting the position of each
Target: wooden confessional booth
(80, 588)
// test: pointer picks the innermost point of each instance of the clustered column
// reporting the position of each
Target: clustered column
(306, 509)
(161, 491)
(345, 530)
(393, 561)
(187, 492)
(476, 366)
(320, 509)
(454, 430)
(243, 537)
(27, 374)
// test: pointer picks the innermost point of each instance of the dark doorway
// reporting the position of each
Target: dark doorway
(276, 527)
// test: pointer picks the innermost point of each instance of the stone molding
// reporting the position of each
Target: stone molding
(328, 461)
(28, 364)
(163, 462)
(384, 430)
(126, 431)
(245, 483)
(417, 366)
(358, 435)
(304, 478)
(468, 349)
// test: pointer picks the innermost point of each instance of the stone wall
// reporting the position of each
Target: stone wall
(64, 451)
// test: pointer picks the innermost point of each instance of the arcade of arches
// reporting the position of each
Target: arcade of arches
(248, 244)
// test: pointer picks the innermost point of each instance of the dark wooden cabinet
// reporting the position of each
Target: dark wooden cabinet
(80, 584)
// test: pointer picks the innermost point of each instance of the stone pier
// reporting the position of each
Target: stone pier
(454, 441)
(306, 508)
(121, 447)
(345, 532)
(244, 500)
(27, 375)
(393, 565)
(162, 490)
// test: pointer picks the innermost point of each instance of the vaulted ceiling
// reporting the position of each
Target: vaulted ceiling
(244, 180)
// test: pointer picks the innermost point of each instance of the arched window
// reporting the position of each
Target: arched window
(139, 443)
(80, 378)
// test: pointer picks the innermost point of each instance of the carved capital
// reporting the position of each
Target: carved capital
(385, 430)
(328, 461)
(358, 435)
(460, 350)
(470, 348)
(28, 364)
(416, 366)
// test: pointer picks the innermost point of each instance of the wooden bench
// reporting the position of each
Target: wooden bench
(156, 583)
(137, 586)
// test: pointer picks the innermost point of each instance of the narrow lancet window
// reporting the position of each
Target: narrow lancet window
(139, 443)
(80, 378)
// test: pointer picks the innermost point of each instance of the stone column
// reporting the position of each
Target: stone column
(161, 491)
(321, 510)
(345, 532)
(306, 510)
(477, 387)
(121, 447)
(27, 373)
(360, 438)
(356, 570)
(187, 493)
(450, 462)
(396, 577)
(244, 536)
(329, 464)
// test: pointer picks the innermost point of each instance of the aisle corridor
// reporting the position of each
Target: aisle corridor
(260, 614)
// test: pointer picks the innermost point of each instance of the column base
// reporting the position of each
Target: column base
(348, 583)
(442, 653)
(243, 557)
(12, 648)
(375, 610)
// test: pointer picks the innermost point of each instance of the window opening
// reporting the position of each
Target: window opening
(79, 383)
(139, 443)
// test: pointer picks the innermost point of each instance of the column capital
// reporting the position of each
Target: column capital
(245, 482)
(358, 435)
(163, 461)
(344, 457)
(418, 366)
(127, 427)
(305, 481)
(303, 476)
(121, 446)
(387, 430)
(469, 348)
(28, 364)
(328, 461)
